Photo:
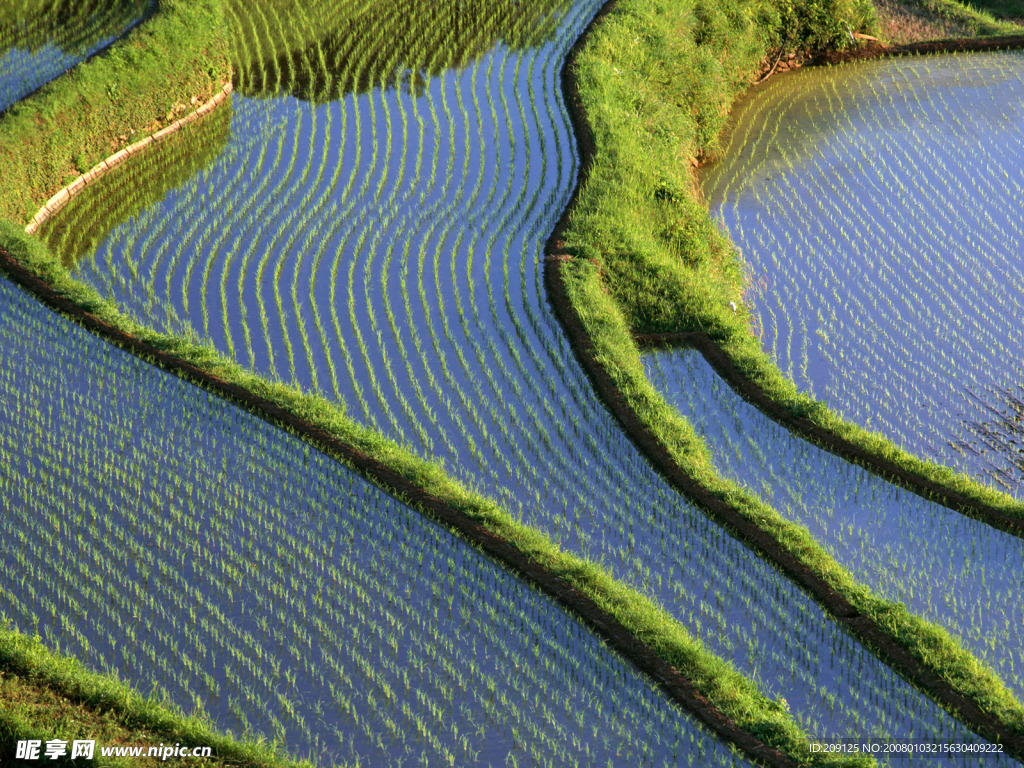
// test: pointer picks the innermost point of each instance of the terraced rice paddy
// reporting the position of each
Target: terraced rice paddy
(958, 572)
(158, 533)
(877, 208)
(381, 244)
(40, 39)
(88, 219)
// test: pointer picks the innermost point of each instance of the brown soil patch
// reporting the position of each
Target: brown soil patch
(958, 45)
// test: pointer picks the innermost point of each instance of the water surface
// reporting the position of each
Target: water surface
(877, 209)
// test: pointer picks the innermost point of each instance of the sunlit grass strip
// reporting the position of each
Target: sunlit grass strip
(628, 275)
(631, 623)
(131, 91)
(40, 668)
(843, 212)
(65, 195)
(671, 270)
(574, 451)
(91, 216)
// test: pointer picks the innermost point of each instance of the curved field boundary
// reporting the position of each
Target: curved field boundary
(64, 196)
(94, 695)
(865, 627)
(606, 625)
(98, 51)
(931, 480)
(759, 526)
(878, 50)
(830, 440)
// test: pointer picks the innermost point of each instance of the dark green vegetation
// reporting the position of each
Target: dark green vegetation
(955, 571)
(308, 52)
(643, 226)
(412, 173)
(46, 696)
(280, 592)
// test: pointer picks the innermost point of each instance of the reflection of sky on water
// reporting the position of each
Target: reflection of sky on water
(877, 208)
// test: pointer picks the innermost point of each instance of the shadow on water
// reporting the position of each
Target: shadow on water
(383, 250)
(312, 50)
(1001, 433)
(131, 188)
(41, 39)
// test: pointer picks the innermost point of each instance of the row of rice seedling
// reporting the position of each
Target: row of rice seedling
(113, 198)
(40, 39)
(875, 208)
(290, 251)
(309, 52)
(958, 572)
(162, 535)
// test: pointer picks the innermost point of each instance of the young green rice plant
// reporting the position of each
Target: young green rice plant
(958, 572)
(895, 313)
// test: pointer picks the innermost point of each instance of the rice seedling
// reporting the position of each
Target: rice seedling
(204, 587)
(317, 188)
(891, 276)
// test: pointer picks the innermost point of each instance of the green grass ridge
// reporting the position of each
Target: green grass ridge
(27, 658)
(649, 259)
(130, 91)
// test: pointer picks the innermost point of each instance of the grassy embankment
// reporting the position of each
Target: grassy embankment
(117, 98)
(132, 187)
(656, 83)
(46, 696)
(138, 85)
(726, 689)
